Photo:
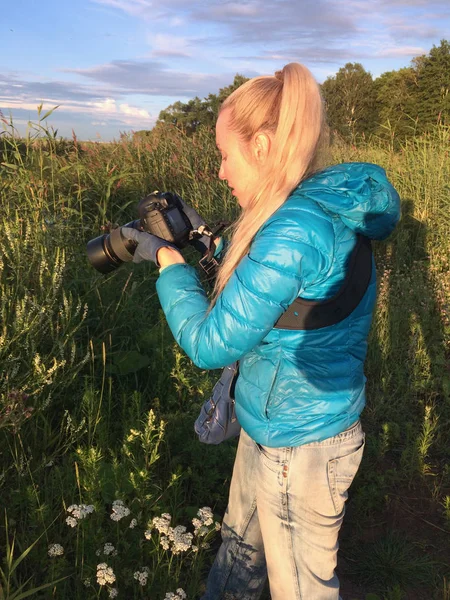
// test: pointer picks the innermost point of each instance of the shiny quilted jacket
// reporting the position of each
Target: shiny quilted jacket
(294, 387)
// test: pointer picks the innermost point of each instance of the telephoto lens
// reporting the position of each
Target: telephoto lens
(107, 252)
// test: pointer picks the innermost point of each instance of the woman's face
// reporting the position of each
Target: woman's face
(241, 175)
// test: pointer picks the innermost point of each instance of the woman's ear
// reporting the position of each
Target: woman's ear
(261, 147)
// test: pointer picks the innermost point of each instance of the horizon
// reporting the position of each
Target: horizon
(138, 57)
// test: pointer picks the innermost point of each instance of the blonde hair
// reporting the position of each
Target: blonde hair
(289, 107)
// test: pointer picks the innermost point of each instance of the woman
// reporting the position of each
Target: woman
(300, 392)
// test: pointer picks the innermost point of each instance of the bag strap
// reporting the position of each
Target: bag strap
(311, 314)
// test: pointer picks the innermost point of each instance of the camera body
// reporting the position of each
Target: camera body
(160, 213)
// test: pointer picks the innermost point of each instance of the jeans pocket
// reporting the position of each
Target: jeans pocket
(341, 472)
(272, 457)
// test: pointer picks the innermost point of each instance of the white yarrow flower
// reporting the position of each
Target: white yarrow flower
(78, 512)
(206, 515)
(179, 595)
(162, 523)
(105, 574)
(142, 576)
(113, 593)
(55, 550)
(133, 523)
(108, 548)
(202, 531)
(71, 521)
(181, 541)
(165, 542)
(119, 510)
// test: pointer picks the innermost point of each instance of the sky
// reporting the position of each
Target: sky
(112, 65)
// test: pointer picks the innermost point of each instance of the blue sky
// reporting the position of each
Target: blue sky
(112, 65)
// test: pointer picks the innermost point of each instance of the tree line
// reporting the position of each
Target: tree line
(395, 105)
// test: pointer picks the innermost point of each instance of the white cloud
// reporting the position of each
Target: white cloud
(169, 45)
(108, 108)
(126, 109)
(407, 51)
(317, 30)
(132, 7)
(233, 9)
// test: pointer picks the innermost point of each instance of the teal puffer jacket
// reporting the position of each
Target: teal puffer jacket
(294, 387)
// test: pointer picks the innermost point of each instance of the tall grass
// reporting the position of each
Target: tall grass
(98, 402)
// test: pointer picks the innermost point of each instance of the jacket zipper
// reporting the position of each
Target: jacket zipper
(271, 388)
(233, 413)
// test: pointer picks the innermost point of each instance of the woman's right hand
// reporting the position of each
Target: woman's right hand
(193, 216)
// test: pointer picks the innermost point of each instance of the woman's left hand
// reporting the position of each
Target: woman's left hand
(152, 247)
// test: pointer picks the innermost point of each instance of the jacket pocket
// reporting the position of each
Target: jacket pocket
(341, 472)
(266, 406)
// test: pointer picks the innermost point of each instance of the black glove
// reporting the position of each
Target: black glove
(147, 244)
(201, 244)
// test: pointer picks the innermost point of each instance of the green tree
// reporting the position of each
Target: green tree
(350, 101)
(433, 82)
(396, 101)
(190, 115)
(187, 116)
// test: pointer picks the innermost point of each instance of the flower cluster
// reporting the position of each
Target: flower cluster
(206, 515)
(181, 541)
(105, 574)
(202, 524)
(113, 592)
(78, 512)
(142, 576)
(162, 523)
(108, 549)
(55, 550)
(176, 538)
(180, 594)
(119, 510)
(133, 523)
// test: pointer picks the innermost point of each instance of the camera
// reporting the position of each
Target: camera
(161, 214)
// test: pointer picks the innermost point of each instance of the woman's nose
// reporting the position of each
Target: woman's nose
(221, 172)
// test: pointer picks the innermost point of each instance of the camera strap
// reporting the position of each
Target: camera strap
(208, 263)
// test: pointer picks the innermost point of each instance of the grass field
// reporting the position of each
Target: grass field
(97, 402)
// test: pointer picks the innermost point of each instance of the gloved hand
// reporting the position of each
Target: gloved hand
(201, 244)
(147, 244)
(193, 216)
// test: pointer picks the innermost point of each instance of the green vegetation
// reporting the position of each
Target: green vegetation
(97, 402)
(191, 115)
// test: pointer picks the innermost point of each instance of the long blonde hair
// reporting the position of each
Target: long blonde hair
(289, 107)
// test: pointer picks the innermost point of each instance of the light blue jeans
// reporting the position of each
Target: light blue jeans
(285, 509)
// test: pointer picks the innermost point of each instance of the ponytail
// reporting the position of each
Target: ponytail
(287, 105)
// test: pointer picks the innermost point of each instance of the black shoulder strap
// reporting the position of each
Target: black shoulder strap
(310, 314)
